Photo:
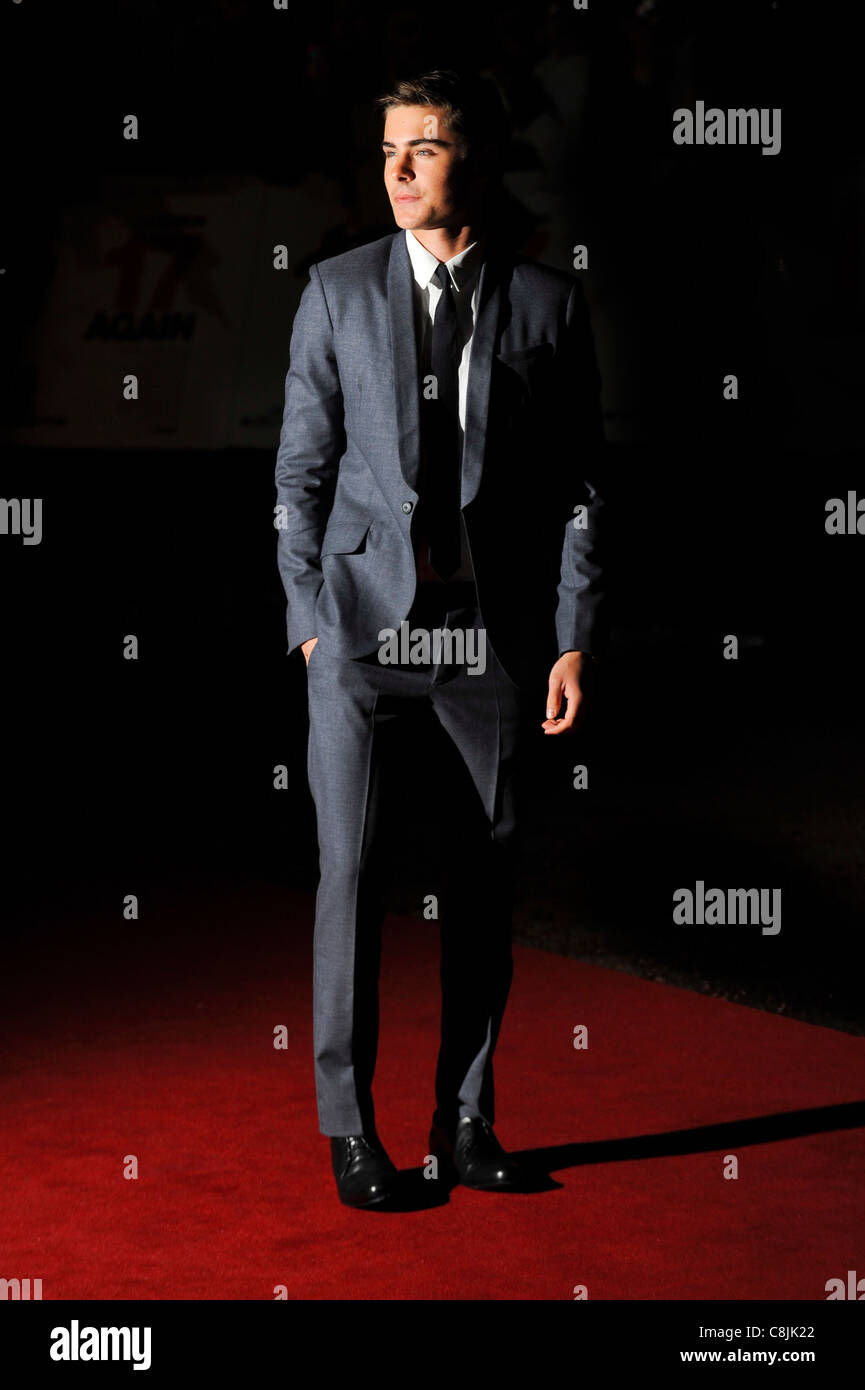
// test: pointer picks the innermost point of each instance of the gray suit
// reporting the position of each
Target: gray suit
(346, 474)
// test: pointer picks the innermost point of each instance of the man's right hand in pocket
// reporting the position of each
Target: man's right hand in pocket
(306, 648)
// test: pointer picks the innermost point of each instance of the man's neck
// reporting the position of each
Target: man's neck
(446, 242)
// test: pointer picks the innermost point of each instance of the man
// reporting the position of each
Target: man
(441, 418)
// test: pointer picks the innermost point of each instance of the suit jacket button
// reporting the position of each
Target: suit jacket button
(407, 506)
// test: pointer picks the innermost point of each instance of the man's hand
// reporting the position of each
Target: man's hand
(566, 678)
(306, 647)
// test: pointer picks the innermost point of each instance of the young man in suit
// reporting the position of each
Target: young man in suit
(435, 474)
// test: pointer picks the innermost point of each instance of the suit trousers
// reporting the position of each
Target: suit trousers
(352, 704)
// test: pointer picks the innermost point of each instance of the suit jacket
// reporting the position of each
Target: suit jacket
(349, 454)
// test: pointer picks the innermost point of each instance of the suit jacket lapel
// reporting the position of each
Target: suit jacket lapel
(480, 367)
(403, 349)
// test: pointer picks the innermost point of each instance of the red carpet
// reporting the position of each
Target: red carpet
(158, 1042)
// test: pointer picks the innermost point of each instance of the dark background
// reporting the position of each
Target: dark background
(139, 776)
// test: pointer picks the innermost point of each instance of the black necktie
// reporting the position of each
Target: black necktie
(440, 493)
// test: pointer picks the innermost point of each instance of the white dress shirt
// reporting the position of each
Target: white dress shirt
(463, 269)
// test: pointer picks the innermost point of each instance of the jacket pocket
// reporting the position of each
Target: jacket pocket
(530, 355)
(345, 539)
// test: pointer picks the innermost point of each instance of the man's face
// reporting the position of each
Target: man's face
(425, 172)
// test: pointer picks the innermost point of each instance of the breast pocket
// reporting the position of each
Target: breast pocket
(525, 370)
(529, 358)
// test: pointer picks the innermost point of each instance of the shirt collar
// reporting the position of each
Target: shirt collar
(463, 267)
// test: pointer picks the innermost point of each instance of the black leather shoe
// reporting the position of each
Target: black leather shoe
(364, 1174)
(473, 1155)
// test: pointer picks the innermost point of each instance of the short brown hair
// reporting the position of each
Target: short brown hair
(473, 107)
